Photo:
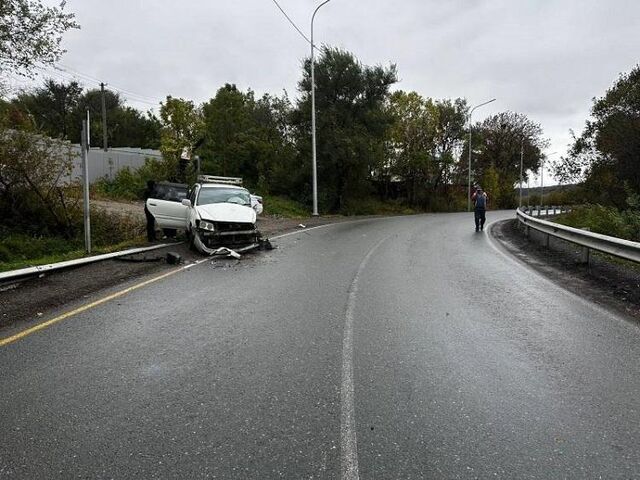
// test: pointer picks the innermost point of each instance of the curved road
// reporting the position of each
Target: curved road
(408, 347)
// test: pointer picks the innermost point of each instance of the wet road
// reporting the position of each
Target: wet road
(389, 348)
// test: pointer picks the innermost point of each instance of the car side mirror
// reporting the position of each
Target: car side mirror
(186, 202)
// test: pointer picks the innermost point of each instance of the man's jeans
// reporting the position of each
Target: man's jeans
(480, 218)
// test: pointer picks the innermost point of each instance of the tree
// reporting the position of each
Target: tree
(496, 151)
(31, 33)
(57, 110)
(249, 138)
(607, 153)
(411, 142)
(352, 126)
(32, 192)
(182, 126)
(425, 138)
(126, 126)
(51, 107)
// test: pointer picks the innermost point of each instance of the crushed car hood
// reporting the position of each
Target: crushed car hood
(227, 212)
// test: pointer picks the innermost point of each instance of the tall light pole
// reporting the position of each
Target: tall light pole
(469, 179)
(314, 165)
(521, 164)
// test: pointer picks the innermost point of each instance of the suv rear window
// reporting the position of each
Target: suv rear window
(172, 192)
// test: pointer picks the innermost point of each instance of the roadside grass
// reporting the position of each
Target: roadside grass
(283, 207)
(109, 233)
(604, 220)
(48, 255)
(372, 206)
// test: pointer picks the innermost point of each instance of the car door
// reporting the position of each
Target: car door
(192, 213)
(166, 206)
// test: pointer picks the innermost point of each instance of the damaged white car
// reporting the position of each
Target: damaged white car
(218, 214)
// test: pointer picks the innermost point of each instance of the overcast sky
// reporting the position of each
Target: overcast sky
(543, 58)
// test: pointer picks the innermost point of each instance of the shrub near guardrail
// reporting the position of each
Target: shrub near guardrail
(605, 220)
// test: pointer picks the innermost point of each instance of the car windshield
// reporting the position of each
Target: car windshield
(224, 195)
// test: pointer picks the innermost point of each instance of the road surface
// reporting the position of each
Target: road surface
(408, 347)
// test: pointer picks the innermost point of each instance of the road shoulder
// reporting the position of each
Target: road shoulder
(609, 282)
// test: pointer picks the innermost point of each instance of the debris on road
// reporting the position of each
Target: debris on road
(173, 258)
(302, 225)
(226, 251)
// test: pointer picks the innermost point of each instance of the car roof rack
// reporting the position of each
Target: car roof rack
(224, 180)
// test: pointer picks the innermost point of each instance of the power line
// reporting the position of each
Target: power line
(128, 94)
(293, 23)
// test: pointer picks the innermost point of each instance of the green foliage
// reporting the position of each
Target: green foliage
(130, 185)
(57, 110)
(182, 128)
(109, 232)
(51, 107)
(280, 206)
(31, 33)
(31, 192)
(352, 126)
(606, 154)
(497, 143)
(374, 206)
(249, 138)
(605, 220)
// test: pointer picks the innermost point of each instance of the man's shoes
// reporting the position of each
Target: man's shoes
(477, 230)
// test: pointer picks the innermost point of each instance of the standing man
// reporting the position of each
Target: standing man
(151, 221)
(479, 199)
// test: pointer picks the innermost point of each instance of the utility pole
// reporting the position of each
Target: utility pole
(104, 118)
(84, 147)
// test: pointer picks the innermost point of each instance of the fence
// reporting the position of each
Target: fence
(106, 164)
(618, 247)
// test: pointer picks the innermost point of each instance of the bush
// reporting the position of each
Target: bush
(284, 207)
(130, 185)
(373, 206)
(108, 232)
(605, 220)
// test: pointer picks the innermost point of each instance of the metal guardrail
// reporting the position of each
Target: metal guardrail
(40, 269)
(618, 247)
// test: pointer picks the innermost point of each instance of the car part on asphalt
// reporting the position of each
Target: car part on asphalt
(173, 258)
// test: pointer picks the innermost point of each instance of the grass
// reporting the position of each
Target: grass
(276, 206)
(372, 206)
(27, 251)
(604, 220)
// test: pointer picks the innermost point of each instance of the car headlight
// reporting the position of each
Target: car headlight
(204, 225)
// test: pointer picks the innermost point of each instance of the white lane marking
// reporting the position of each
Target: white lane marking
(348, 440)
(197, 262)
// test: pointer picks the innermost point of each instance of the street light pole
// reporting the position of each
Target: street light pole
(469, 173)
(314, 165)
(521, 164)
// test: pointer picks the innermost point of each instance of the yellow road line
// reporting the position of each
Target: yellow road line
(48, 323)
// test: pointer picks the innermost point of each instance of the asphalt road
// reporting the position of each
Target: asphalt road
(387, 348)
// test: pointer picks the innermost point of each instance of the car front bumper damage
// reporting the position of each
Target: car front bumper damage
(222, 243)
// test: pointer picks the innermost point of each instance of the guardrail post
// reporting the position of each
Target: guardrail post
(585, 256)
(546, 240)
(547, 210)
